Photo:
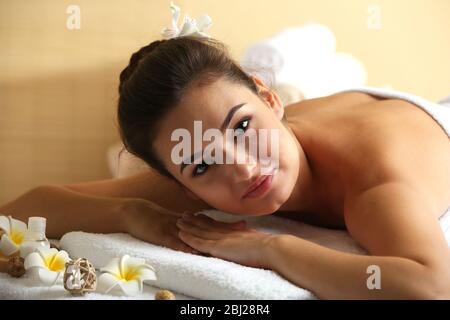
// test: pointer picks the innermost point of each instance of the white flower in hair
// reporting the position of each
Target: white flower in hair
(190, 26)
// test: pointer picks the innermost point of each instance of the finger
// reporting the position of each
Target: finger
(195, 242)
(175, 243)
(206, 222)
(203, 223)
(185, 248)
(198, 231)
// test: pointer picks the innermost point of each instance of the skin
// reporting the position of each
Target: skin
(349, 161)
(222, 187)
(379, 168)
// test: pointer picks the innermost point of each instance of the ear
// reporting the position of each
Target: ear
(269, 97)
(190, 194)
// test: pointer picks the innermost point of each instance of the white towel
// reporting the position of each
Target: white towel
(212, 278)
(25, 288)
(190, 275)
(198, 276)
(440, 112)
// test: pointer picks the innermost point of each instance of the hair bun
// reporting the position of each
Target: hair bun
(134, 61)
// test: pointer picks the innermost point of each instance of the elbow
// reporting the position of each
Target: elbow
(431, 292)
(434, 284)
(439, 290)
(40, 189)
(14, 205)
(27, 200)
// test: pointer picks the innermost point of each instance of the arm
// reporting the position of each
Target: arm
(147, 185)
(68, 210)
(107, 206)
(396, 225)
(394, 222)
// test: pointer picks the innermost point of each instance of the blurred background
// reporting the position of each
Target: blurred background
(60, 61)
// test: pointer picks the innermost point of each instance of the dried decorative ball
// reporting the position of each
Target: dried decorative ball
(80, 277)
(164, 295)
(15, 266)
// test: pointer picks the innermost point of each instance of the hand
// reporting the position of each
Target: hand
(230, 241)
(147, 221)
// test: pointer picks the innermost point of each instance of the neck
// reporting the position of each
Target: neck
(302, 198)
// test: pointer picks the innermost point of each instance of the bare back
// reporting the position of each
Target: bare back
(355, 141)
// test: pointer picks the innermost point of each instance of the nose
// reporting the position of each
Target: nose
(244, 166)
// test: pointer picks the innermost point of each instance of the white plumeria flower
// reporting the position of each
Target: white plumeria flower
(47, 265)
(126, 274)
(190, 26)
(14, 233)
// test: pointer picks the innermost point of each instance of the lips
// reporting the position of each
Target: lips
(260, 186)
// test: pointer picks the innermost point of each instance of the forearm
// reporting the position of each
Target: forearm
(67, 210)
(332, 274)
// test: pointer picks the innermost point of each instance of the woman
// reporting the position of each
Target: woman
(378, 167)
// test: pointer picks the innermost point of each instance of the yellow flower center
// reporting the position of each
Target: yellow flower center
(55, 263)
(129, 274)
(16, 237)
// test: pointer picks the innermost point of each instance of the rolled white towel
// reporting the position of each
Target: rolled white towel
(211, 278)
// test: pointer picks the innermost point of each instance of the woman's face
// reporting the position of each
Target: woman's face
(230, 187)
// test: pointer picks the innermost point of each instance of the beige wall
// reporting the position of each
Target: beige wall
(58, 86)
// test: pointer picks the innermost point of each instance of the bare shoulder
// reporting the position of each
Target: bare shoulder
(397, 141)
(397, 172)
(363, 141)
(341, 99)
(395, 219)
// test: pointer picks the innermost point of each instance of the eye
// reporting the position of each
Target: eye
(241, 127)
(200, 169)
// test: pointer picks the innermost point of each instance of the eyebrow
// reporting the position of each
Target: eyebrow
(225, 123)
(230, 115)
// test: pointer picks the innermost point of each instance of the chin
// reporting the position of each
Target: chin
(278, 198)
(269, 205)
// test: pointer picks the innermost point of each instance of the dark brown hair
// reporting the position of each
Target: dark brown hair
(155, 80)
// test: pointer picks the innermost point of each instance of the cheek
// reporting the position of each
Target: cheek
(287, 151)
(277, 141)
(220, 196)
(213, 192)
